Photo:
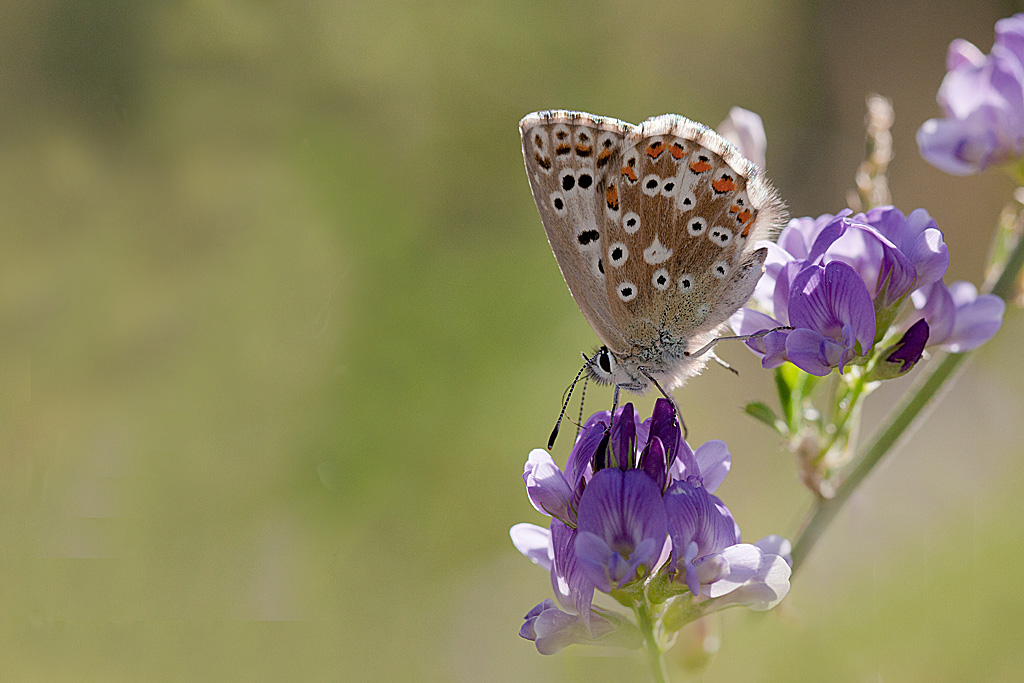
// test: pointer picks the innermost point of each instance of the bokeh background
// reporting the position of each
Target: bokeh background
(279, 326)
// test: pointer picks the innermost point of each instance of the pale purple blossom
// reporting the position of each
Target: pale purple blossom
(982, 99)
(638, 500)
(843, 280)
(745, 129)
(959, 319)
(552, 630)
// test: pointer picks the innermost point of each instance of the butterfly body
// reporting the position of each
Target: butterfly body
(656, 229)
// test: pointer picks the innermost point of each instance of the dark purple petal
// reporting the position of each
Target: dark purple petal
(623, 439)
(653, 462)
(664, 424)
(828, 300)
(898, 359)
(699, 518)
(623, 512)
(910, 346)
(586, 445)
(546, 486)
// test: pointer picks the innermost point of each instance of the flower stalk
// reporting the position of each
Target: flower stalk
(900, 420)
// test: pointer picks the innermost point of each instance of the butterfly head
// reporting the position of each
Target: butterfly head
(605, 369)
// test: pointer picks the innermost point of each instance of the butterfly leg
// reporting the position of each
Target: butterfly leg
(670, 397)
(725, 365)
(741, 337)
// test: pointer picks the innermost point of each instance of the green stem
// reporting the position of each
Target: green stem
(643, 619)
(899, 420)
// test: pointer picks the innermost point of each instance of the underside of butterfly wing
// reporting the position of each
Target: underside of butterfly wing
(569, 157)
(682, 255)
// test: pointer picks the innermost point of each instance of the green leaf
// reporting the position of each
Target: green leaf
(762, 413)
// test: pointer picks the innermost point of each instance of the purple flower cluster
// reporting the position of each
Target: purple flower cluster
(846, 282)
(636, 502)
(982, 97)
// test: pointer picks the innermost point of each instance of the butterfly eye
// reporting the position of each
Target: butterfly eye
(604, 360)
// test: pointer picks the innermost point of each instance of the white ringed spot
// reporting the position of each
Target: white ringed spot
(657, 252)
(670, 187)
(617, 254)
(687, 201)
(696, 226)
(720, 269)
(627, 291)
(558, 203)
(651, 184)
(685, 283)
(720, 236)
(631, 222)
(660, 279)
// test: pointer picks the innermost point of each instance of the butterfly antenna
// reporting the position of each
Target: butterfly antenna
(565, 404)
(583, 399)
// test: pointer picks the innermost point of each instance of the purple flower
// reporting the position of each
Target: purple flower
(637, 500)
(745, 129)
(621, 527)
(841, 281)
(959, 319)
(552, 630)
(898, 359)
(833, 315)
(982, 97)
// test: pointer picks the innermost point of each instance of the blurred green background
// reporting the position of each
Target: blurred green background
(280, 325)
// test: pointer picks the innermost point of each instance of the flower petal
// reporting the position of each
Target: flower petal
(534, 542)
(546, 486)
(826, 299)
(624, 512)
(977, 319)
(745, 129)
(714, 462)
(776, 545)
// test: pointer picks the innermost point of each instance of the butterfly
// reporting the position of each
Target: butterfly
(657, 229)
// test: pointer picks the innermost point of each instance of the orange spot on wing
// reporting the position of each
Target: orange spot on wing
(629, 173)
(743, 216)
(584, 150)
(723, 185)
(655, 149)
(700, 166)
(611, 196)
(677, 151)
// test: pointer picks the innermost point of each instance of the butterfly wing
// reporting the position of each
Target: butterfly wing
(684, 256)
(569, 158)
